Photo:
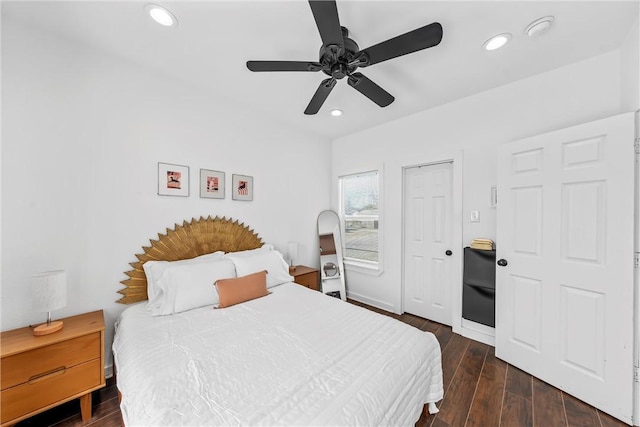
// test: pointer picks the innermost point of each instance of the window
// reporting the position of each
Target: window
(360, 213)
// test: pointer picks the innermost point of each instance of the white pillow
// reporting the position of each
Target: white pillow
(272, 261)
(192, 285)
(250, 252)
(155, 270)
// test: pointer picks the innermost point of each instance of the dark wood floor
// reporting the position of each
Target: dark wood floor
(480, 391)
(483, 391)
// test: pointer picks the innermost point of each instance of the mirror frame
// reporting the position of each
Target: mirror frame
(331, 250)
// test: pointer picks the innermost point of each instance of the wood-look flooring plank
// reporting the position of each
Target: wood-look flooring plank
(103, 410)
(516, 411)
(439, 423)
(392, 315)
(430, 419)
(423, 421)
(430, 326)
(412, 320)
(608, 421)
(426, 419)
(487, 401)
(459, 396)
(443, 334)
(419, 323)
(518, 382)
(579, 414)
(451, 357)
(112, 420)
(548, 409)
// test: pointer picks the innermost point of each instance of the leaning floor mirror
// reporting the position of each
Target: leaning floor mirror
(331, 266)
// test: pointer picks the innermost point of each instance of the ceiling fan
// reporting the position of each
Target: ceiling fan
(340, 56)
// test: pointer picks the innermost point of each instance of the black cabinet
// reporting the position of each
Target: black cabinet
(479, 286)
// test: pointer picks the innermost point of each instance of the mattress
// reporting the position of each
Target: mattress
(294, 357)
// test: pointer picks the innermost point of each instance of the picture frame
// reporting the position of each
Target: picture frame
(212, 184)
(173, 180)
(242, 187)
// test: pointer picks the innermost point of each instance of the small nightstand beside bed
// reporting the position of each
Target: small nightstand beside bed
(40, 372)
(292, 357)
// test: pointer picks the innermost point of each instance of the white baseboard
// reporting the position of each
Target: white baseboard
(108, 371)
(476, 331)
(371, 301)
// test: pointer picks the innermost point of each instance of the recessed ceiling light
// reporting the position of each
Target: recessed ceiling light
(496, 42)
(161, 15)
(539, 26)
(336, 112)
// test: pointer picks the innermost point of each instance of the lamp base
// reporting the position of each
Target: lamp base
(45, 329)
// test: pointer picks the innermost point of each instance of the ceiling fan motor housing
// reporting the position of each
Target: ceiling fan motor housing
(338, 61)
(340, 56)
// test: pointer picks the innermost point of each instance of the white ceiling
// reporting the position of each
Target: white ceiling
(214, 39)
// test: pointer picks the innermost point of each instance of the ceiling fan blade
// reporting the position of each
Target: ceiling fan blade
(368, 88)
(325, 13)
(283, 66)
(413, 41)
(320, 96)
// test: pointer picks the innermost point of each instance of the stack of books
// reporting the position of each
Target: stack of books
(484, 244)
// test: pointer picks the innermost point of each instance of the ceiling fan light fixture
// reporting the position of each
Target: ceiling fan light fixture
(161, 15)
(336, 112)
(497, 41)
(539, 26)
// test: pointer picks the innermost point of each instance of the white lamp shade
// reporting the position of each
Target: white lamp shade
(292, 250)
(49, 290)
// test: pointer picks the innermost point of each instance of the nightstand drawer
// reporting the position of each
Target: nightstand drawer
(51, 389)
(310, 280)
(19, 368)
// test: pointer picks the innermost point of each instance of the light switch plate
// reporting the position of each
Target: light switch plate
(475, 216)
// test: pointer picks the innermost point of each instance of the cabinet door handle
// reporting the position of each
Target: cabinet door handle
(448, 252)
(45, 375)
(502, 262)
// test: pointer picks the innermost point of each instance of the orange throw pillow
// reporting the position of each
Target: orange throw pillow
(241, 289)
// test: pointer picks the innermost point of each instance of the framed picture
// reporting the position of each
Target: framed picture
(242, 187)
(211, 184)
(173, 180)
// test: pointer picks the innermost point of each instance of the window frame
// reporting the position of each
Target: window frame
(354, 264)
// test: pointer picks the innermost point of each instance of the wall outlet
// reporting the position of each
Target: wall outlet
(475, 216)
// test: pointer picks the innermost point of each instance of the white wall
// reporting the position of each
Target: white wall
(630, 69)
(82, 135)
(475, 125)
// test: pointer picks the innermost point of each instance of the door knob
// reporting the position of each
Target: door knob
(448, 252)
(502, 262)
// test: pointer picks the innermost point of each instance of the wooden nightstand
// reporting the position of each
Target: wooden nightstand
(305, 276)
(39, 373)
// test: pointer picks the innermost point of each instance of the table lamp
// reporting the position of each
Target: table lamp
(48, 293)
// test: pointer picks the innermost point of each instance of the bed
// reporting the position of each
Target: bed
(291, 357)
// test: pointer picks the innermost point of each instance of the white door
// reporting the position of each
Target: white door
(564, 301)
(427, 220)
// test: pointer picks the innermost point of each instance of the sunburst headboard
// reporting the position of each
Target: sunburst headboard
(189, 240)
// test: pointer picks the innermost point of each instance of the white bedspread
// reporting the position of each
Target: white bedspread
(294, 357)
